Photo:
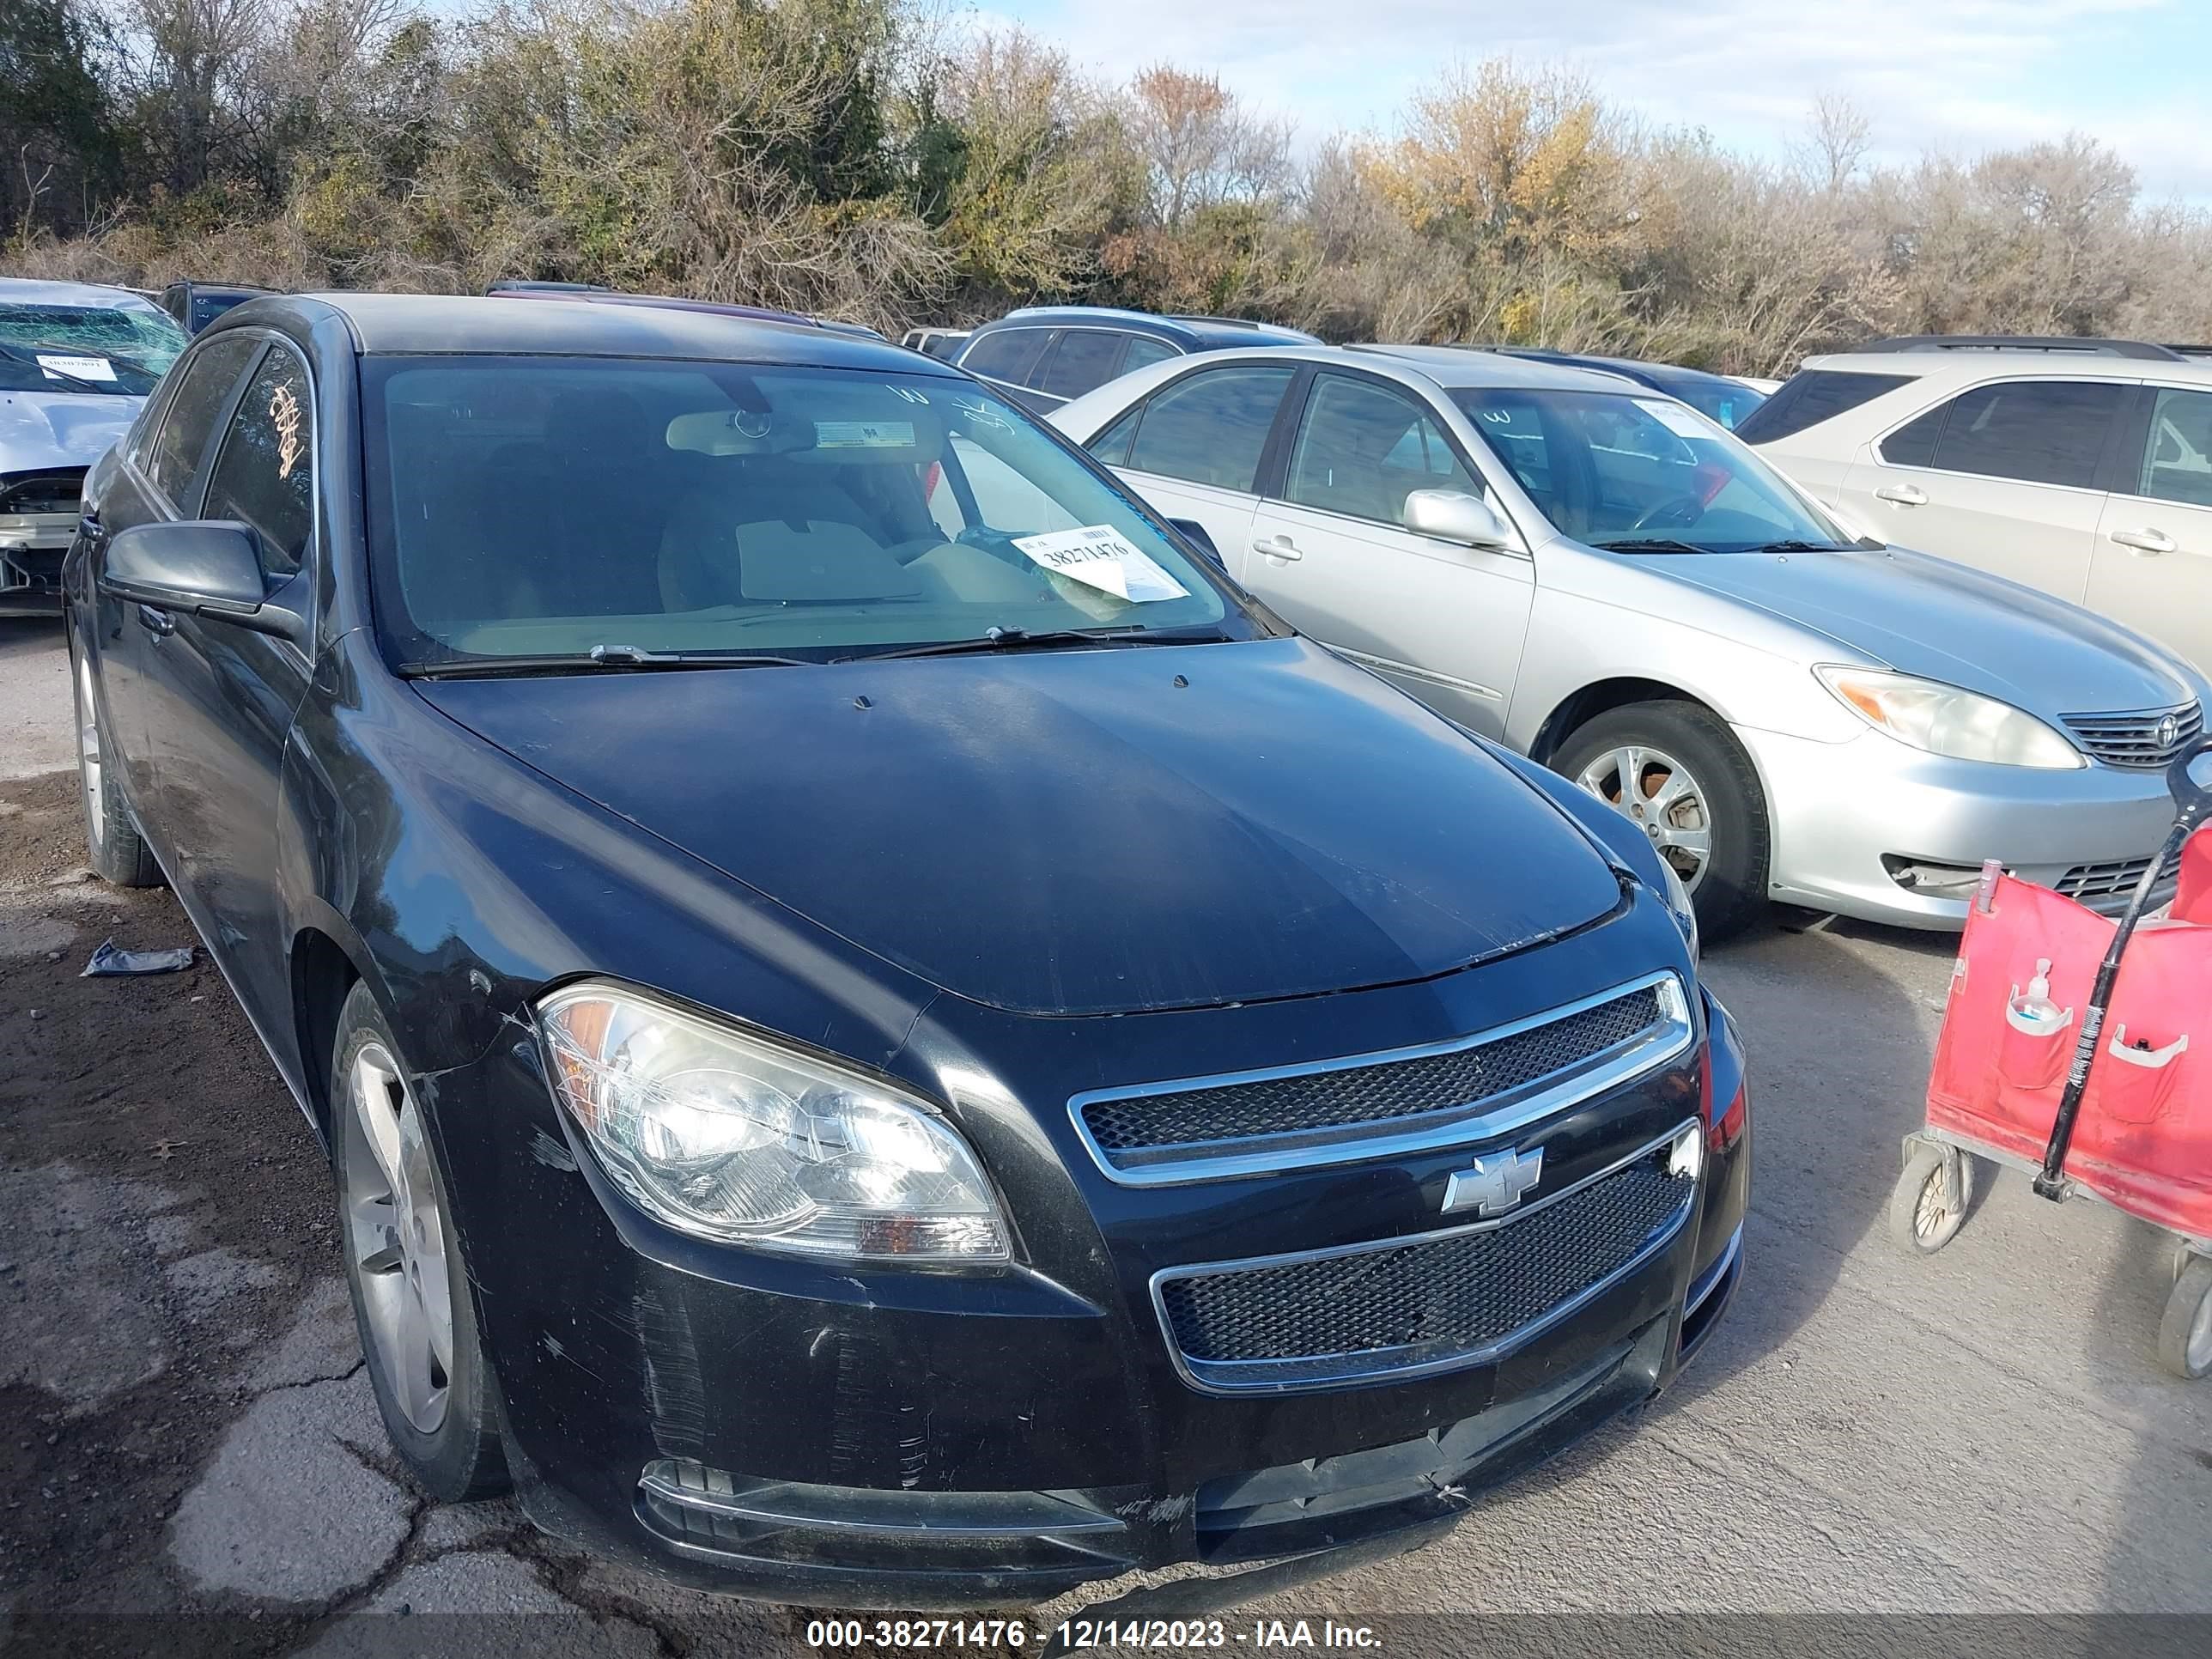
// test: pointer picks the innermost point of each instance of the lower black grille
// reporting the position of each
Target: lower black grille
(2115, 879)
(1450, 1297)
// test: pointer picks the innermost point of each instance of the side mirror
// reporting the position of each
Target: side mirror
(1194, 532)
(207, 567)
(1452, 515)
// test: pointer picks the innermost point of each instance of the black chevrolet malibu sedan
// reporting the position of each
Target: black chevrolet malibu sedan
(886, 1037)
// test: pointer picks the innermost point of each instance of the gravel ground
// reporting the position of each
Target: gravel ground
(189, 1449)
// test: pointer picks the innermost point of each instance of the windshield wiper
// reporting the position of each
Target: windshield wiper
(105, 389)
(1650, 544)
(1794, 546)
(1021, 639)
(630, 657)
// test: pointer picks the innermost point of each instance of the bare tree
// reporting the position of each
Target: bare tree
(1203, 147)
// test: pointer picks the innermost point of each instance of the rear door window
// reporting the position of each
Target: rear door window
(1145, 350)
(264, 474)
(2177, 460)
(1211, 428)
(194, 408)
(1810, 396)
(1080, 360)
(1009, 354)
(2051, 432)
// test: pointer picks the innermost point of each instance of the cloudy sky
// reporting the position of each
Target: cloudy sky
(1960, 76)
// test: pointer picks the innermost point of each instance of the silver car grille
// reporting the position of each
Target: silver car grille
(1382, 1105)
(1432, 1302)
(2139, 736)
(2115, 879)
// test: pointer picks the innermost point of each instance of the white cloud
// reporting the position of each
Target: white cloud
(1953, 75)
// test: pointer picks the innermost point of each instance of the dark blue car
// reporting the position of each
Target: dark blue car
(1043, 357)
(1719, 398)
(886, 1037)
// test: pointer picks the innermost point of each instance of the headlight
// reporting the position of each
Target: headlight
(734, 1138)
(1678, 902)
(1943, 719)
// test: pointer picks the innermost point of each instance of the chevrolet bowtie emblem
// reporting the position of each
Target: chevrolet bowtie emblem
(1493, 1185)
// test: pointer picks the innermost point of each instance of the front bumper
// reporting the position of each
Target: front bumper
(1837, 809)
(884, 1439)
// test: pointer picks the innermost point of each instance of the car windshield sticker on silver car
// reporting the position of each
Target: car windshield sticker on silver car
(1098, 556)
(1677, 418)
(1493, 1185)
(76, 368)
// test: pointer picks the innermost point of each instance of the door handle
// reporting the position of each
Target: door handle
(160, 623)
(1276, 547)
(1902, 495)
(2145, 541)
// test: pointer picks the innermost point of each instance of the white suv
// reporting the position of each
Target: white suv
(2081, 467)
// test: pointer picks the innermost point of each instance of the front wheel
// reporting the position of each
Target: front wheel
(113, 844)
(1926, 1209)
(1677, 773)
(410, 1292)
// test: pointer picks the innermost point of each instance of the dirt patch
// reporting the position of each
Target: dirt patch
(164, 1207)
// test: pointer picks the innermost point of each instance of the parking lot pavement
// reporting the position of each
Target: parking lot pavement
(185, 1426)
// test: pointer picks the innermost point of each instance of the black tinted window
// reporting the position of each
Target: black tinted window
(209, 375)
(1143, 350)
(1211, 427)
(1112, 445)
(264, 474)
(1913, 444)
(1810, 396)
(2039, 431)
(1008, 355)
(2177, 463)
(1081, 360)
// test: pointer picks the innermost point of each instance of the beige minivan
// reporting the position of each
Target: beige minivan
(2080, 467)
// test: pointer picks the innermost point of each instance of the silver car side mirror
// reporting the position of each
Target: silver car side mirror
(1452, 515)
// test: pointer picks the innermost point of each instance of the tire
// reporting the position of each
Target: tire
(1919, 1220)
(1715, 833)
(113, 844)
(2184, 1336)
(411, 1290)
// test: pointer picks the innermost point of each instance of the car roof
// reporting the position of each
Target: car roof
(1212, 332)
(1470, 367)
(474, 323)
(24, 291)
(1976, 363)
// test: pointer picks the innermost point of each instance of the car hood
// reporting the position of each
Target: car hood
(1078, 832)
(41, 429)
(1930, 616)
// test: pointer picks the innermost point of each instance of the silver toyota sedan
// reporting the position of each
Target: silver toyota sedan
(1595, 574)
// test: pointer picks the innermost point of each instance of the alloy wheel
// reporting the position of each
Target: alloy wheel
(397, 1238)
(87, 756)
(1659, 795)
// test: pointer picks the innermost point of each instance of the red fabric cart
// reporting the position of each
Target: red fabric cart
(2022, 995)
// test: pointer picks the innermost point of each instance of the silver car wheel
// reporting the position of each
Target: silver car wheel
(1659, 795)
(397, 1238)
(88, 758)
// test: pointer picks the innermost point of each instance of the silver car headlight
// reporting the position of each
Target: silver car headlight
(1943, 719)
(729, 1137)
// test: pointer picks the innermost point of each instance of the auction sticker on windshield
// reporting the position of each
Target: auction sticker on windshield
(1098, 556)
(1675, 417)
(76, 368)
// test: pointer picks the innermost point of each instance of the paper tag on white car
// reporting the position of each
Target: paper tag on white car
(1098, 556)
(77, 368)
(1677, 418)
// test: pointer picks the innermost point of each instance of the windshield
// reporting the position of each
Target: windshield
(61, 348)
(1611, 470)
(540, 507)
(1728, 402)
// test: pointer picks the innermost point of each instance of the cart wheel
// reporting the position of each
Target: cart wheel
(1922, 1218)
(2184, 1336)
